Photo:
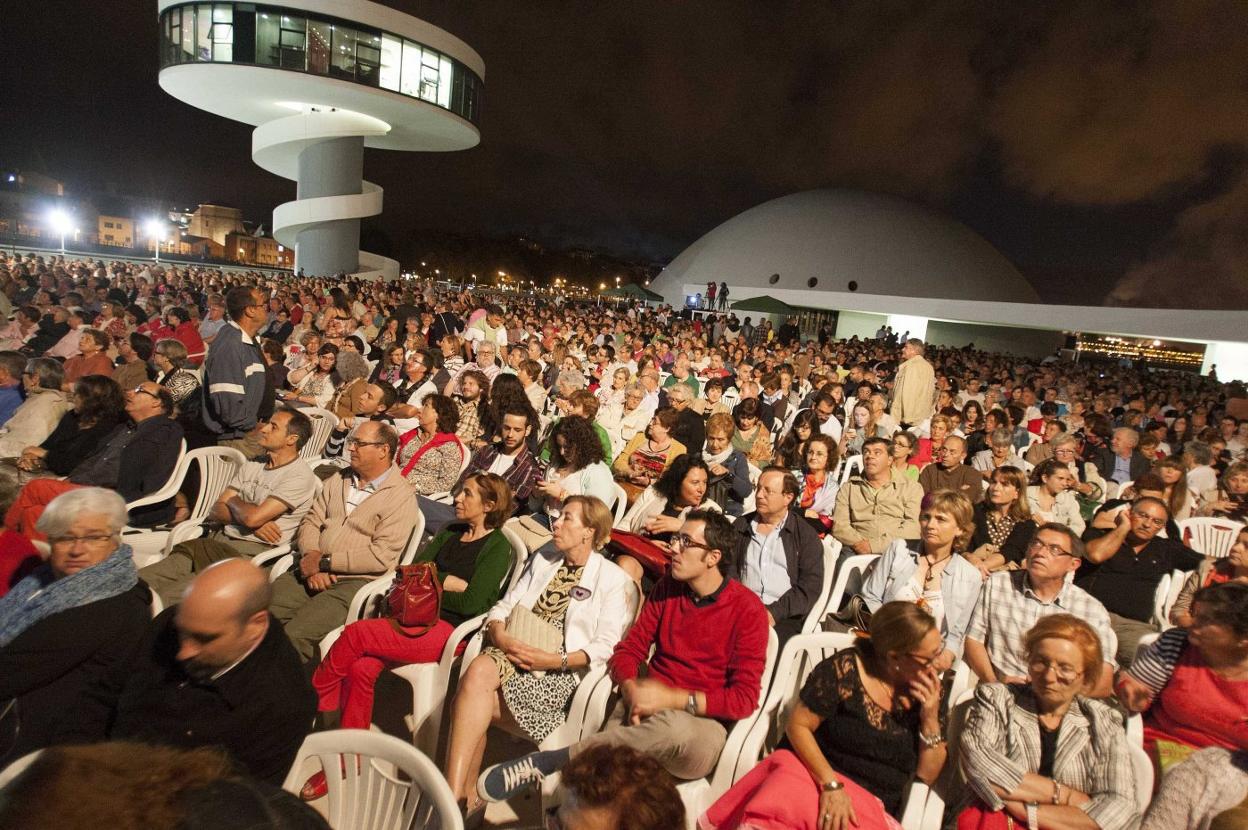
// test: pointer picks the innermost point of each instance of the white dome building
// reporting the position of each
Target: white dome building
(843, 241)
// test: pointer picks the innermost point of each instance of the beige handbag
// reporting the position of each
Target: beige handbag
(530, 531)
(533, 631)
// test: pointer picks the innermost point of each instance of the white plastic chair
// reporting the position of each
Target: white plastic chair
(1209, 535)
(1159, 600)
(282, 558)
(376, 781)
(849, 580)
(831, 553)
(167, 490)
(1143, 768)
(217, 468)
(430, 682)
(323, 423)
(854, 462)
(619, 506)
(17, 768)
(1177, 580)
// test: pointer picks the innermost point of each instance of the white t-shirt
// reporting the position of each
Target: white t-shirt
(502, 463)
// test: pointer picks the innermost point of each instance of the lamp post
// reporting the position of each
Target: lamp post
(61, 223)
(156, 230)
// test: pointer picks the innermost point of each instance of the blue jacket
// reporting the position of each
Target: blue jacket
(234, 384)
(959, 588)
(11, 398)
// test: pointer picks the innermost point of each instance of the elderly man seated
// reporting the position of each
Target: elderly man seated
(1124, 462)
(949, 473)
(1125, 566)
(59, 637)
(45, 404)
(1011, 602)
(261, 506)
(876, 505)
(357, 528)
(135, 459)
(624, 420)
(217, 671)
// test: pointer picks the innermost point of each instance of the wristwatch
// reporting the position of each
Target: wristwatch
(691, 705)
(832, 786)
(324, 563)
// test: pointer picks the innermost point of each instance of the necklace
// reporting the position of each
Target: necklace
(932, 573)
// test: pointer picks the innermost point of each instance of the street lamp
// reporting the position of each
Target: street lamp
(156, 231)
(61, 223)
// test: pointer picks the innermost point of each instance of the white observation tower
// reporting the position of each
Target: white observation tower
(321, 81)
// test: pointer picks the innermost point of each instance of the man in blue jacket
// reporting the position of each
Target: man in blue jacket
(234, 376)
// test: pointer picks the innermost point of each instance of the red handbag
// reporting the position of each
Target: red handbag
(977, 816)
(414, 601)
(652, 557)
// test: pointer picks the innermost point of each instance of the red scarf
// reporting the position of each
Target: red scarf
(438, 439)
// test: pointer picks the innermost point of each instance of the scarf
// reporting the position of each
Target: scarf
(437, 440)
(39, 596)
(717, 458)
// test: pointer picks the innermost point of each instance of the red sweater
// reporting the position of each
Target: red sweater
(719, 648)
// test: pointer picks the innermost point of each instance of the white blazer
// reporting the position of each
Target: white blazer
(651, 503)
(594, 624)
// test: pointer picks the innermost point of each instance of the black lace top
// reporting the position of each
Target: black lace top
(878, 750)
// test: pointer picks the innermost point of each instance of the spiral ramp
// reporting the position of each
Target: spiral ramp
(277, 146)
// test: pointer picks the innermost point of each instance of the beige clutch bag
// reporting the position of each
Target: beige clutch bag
(534, 632)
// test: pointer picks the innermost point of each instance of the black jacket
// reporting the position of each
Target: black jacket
(259, 712)
(51, 666)
(803, 553)
(690, 430)
(135, 460)
(1105, 464)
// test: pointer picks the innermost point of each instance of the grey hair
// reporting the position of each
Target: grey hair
(573, 378)
(680, 392)
(1064, 439)
(1200, 452)
(50, 373)
(1001, 438)
(172, 350)
(634, 388)
(1130, 433)
(61, 512)
(351, 366)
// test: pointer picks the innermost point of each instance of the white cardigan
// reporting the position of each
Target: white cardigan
(593, 624)
(649, 504)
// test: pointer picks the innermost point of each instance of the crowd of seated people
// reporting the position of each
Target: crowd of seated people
(1019, 517)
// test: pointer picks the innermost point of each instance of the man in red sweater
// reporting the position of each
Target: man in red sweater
(709, 635)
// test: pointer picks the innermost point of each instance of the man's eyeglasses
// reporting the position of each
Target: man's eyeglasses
(1147, 520)
(686, 542)
(352, 442)
(1037, 546)
(139, 390)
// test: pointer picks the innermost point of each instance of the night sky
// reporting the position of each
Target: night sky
(1099, 145)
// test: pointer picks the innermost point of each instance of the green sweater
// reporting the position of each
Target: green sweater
(485, 587)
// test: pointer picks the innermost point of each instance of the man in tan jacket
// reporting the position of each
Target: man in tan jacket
(877, 505)
(914, 388)
(356, 530)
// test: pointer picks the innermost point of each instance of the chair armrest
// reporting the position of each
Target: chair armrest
(268, 557)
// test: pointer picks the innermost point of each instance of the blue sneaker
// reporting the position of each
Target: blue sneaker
(502, 781)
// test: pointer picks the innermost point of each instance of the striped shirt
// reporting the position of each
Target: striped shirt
(1008, 608)
(1155, 662)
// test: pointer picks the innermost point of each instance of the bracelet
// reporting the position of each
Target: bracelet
(563, 661)
(931, 741)
(1057, 792)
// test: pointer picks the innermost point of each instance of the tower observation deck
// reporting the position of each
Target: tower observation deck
(321, 80)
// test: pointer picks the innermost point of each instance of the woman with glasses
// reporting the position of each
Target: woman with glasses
(569, 585)
(791, 449)
(819, 482)
(1088, 486)
(472, 557)
(900, 449)
(1052, 499)
(69, 624)
(869, 720)
(1003, 523)
(316, 388)
(930, 572)
(1013, 733)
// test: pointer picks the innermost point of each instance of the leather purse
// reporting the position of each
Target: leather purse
(652, 557)
(414, 601)
(533, 631)
(532, 532)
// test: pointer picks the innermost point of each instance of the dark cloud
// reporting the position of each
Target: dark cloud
(1081, 137)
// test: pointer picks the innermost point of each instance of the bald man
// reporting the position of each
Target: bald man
(217, 670)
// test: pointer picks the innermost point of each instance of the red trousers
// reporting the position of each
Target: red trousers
(345, 679)
(35, 496)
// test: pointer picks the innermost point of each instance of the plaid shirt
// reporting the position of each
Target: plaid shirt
(1008, 608)
(523, 473)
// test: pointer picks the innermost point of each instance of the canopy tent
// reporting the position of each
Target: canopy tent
(764, 305)
(633, 291)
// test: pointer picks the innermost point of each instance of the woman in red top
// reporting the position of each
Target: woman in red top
(91, 359)
(187, 332)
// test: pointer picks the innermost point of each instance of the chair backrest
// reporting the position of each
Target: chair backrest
(391, 784)
(620, 507)
(1210, 536)
(170, 488)
(217, 468)
(831, 553)
(519, 555)
(849, 579)
(17, 767)
(1159, 599)
(854, 462)
(754, 473)
(1143, 768)
(323, 423)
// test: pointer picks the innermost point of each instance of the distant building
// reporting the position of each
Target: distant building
(115, 230)
(215, 222)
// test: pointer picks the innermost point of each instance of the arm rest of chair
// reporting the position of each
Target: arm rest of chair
(443, 497)
(920, 805)
(281, 566)
(582, 715)
(268, 557)
(184, 532)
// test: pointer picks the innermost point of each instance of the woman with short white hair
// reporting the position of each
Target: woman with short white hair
(69, 623)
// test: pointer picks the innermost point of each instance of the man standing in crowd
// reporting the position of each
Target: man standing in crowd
(778, 555)
(261, 507)
(914, 386)
(702, 637)
(877, 505)
(234, 377)
(358, 527)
